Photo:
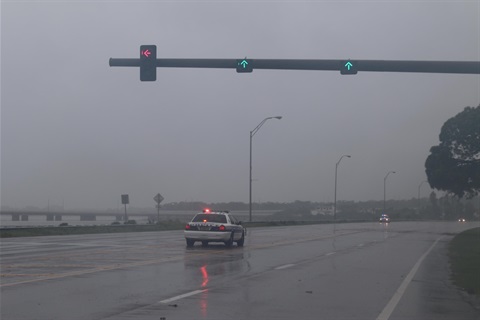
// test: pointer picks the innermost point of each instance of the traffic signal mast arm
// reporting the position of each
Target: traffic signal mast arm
(461, 67)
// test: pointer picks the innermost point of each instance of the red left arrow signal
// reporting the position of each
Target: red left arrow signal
(148, 62)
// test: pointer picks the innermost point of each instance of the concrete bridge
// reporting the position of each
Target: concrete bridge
(92, 216)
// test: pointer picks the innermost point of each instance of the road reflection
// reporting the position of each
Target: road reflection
(204, 275)
(385, 230)
(206, 266)
(204, 296)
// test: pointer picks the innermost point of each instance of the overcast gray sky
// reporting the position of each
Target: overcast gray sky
(74, 129)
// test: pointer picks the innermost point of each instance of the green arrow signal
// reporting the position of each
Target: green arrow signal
(348, 65)
(244, 63)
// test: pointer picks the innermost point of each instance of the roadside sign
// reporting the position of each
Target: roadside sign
(158, 198)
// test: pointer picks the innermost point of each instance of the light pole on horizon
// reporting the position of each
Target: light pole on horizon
(385, 190)
(252, 133)
(418, 198)
(335, 195)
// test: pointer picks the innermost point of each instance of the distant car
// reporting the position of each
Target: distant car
(461, 220)
(384, 218)
(218, 226)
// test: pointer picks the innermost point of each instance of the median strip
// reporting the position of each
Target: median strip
(464, 254)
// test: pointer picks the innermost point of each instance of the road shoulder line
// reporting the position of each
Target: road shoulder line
(387, 311)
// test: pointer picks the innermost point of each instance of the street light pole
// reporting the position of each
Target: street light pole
(418, 198)
(384, 189)
(335, 196)
(252, 133)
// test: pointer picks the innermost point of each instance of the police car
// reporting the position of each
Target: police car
(214, 226)
(384, 218)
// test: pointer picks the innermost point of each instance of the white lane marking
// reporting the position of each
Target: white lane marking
(284, 266)
(387, 311)
(188, 294)
(330, 253)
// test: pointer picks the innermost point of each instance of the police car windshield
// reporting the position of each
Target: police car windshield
(205, 217)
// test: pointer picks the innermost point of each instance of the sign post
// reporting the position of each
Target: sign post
(125, 201)
(158, 199)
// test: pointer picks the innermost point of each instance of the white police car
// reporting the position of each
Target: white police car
(219, 226)
(384, 218)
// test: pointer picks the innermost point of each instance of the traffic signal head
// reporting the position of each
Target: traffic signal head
(348, 67)
(244, 65)
(148, 63)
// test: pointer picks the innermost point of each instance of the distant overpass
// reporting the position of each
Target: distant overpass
(119, 216)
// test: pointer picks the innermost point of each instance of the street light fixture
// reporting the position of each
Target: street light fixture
(252, 133)
(384, 189)
(335, 196)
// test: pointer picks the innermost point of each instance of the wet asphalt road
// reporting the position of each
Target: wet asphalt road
(355, 271)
